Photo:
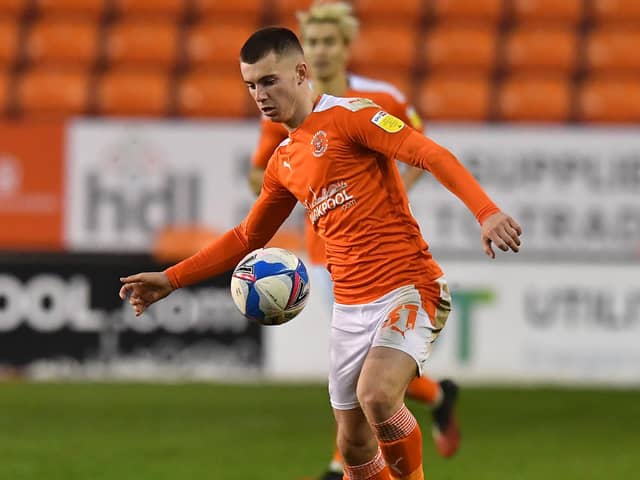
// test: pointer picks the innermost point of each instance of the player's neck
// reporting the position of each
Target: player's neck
(303, 108)
(336, 86)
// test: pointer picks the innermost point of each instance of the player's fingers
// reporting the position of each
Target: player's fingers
(486, 246)
(125, 290)
(509, 240)
(513, 233)
(131, 278)
(135, 300)
(515, 225)
(498, 242)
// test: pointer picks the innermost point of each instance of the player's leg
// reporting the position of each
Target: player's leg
(409, 320)
(445, 431)
(425, 390)
(383, 380)
(440, 398)
(352, 332)
(359, 447)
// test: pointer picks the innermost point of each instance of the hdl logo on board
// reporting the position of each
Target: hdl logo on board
(135, 190)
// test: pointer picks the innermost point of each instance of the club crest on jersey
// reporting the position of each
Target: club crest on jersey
(387, 122)
(319, 143)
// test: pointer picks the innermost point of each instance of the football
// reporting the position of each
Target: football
(270, 286)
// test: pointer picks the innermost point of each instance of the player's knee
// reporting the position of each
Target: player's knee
(378, 401)
(356, 448)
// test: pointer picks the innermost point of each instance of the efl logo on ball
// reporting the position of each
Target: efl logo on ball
(270, 286)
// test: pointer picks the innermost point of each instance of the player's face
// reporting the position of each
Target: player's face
(325, 49)
(273, 82)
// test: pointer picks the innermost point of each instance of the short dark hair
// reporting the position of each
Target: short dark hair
(266, 40)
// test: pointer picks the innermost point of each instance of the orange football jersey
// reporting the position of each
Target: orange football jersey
(382, 93)
(339, 163)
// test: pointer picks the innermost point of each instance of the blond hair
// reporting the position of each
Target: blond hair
(340, 13)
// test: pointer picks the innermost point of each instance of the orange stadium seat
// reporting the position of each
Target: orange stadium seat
(534, 48)
(285, 10)
(5, 82)
(548, 11)
(140, 43)
(385, 46)
(483, 10)
(59, 41)
(212, 94)
(131, 93)
(67, 8)
(150, 8)
(607, 99)
(13, 8)
(613, 49)
(249, 10)
(535, 99)
(383, 10)
(460, 47)
(455, 97)
(52, 93)
(619, 11)
(211, 43)
(8, 42)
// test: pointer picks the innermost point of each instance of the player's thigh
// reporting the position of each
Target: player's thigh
(383, 380)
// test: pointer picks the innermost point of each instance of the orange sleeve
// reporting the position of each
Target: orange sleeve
(372, 129)
(270, 210)
(420, 151)
(271, 135)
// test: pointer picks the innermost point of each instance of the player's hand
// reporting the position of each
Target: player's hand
(143, 289)
(501, 230)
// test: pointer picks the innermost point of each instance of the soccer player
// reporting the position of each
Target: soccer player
(391, 299)
(328, 29)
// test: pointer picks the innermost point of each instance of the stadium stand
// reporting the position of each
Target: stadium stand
(133, 93)
(44, 93)
(507, 52)
(62, 42)
(92, 9)
(455, 97)
(534, 99)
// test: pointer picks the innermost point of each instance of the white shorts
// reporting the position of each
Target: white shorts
(407, 319)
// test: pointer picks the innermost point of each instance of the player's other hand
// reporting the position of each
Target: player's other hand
(502, 231)
(143, 289)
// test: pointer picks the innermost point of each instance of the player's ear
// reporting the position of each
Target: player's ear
(302, 72)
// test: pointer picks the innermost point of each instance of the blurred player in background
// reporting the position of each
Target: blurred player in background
(328, 29)
(391, 299)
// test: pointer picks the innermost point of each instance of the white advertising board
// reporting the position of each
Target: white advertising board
(575, 191)
(511, 323)
(127, 180)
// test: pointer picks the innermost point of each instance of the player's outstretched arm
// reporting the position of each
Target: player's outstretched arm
(502, 231)
(144, 289)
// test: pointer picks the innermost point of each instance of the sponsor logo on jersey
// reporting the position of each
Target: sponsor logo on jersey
(319, 143)
(331, 197)
(387, 122)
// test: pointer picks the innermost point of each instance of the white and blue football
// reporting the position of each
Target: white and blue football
(270, 286)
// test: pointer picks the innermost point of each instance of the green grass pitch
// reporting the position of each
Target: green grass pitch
(284, 432)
